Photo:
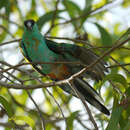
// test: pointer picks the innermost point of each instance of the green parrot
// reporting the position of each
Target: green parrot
(36, 48)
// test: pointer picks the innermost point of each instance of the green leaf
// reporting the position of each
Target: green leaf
(126, 3)
(125, 36)
(113, 123)
(115, 116)
(3, 29)
(105, 36)
(128, 92)
(6, 106)
(55, 29)
(47, 17)
(73, 10)
(2, 35)
(6, 4)
(88, 4)
(49, 126)
(71, 119)
(127, 32)
(26, 119)
(86, 10)
(116, 78)
(124, 119)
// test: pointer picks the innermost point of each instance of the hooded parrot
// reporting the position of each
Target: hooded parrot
(36, 48)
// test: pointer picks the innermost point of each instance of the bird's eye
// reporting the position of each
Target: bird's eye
(29, 23)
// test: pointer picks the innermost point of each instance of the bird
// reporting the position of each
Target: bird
(36, 48)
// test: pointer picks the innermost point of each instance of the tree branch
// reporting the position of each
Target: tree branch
(53, 18)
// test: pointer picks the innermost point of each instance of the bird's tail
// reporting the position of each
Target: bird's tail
(90, 95)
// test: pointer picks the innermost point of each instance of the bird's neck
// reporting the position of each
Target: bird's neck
(34, 39)
(30, 35)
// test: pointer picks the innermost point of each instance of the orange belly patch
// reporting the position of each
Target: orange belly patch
(59, 72)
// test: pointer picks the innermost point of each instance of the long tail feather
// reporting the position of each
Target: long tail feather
(90, 95)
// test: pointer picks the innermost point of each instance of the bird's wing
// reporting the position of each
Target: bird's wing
(84, 55)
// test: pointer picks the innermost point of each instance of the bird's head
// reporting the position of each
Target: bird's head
(30, 25)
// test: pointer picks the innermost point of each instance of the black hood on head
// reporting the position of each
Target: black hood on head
(29, 23)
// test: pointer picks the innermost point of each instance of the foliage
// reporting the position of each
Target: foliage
(68, 20)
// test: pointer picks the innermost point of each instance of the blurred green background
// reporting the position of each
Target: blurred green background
(95, 24)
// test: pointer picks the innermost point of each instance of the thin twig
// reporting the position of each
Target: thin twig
(67, 127)
(9, 125)
(6, 30)
(12, 22)
(53, 18)
(35, 63)
(92, 12)
(115, 87)
(56, 103)
(69, 39)
(39, 112)
(119, 65)
(9, 42)
(83, 101)
(78, 119)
